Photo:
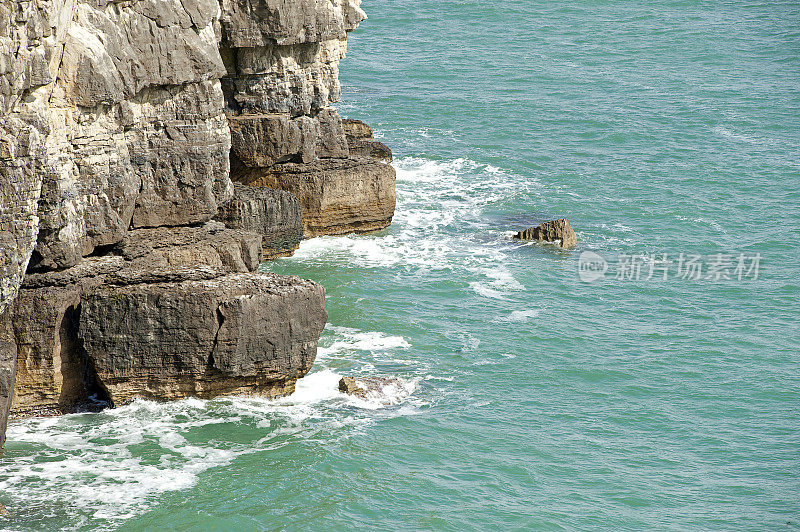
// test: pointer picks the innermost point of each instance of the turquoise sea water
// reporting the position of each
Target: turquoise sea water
(527, 398)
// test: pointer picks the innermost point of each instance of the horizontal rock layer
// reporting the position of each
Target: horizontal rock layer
(338, 196)
(119, 329)
(274, 214)
(242, 334)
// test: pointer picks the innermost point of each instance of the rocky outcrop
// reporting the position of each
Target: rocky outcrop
(276, 215)
(559, 231)
(185, 247)
(50, 368)
(126, 252)
(361, 141)
(119, 327)
(282, 77)
(242, 334)
(338, 196)
(350, 386)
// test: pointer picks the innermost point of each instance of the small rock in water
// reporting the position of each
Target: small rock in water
(556, 230)
(349, 386)
(3, 511)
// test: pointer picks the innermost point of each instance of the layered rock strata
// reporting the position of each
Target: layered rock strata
(129, 325)
(274, 214)
(338, 196)
(282, 78)
(361, 141)
(122, 125)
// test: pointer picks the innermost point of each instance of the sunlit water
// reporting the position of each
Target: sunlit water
(526, 398)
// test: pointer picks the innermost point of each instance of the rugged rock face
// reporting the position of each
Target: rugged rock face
(276, 215)
(243, 334)
(50, 368)
(361, 141)
(122, 124)
(554, 231)
(124, 326)
(282, 77)
(338, 196)
(8, 368)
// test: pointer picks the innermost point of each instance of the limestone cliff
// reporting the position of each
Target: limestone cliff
(124, 125)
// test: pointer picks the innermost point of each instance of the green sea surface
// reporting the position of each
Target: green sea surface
(663, 395)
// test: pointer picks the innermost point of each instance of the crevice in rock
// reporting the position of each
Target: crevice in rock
(97, 395)
(220, 322)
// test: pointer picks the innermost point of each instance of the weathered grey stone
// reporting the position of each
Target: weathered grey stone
(20, 188)
(357, 130)
(275, 214)
(175, 247)
(361, 141)
(299, 79)
(371, 149)
(136, 135)
(241, 333)
(338, 196)
(261, 140)
(559, 231)
(253, 23)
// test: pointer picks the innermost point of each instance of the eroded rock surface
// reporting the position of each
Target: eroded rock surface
(126, 253)
(361, 141)
(8, 368)
(242, 334)
(338, 196)
(559, 231)
(276, 215)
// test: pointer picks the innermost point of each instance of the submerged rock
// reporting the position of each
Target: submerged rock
(3, 511)
(559, 231)
(372, 388)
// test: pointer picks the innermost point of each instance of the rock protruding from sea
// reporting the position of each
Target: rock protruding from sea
(3, 511)
(557, 231)
(349, 386)
(155, 322)
(370, 388)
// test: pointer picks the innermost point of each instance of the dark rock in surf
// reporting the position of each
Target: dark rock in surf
(559, 231)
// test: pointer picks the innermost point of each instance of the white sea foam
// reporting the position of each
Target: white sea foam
(346, 340)
(435, 201)
(113, 465)
(519, 316)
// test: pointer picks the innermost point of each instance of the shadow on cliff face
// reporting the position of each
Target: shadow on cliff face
(78, 367)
